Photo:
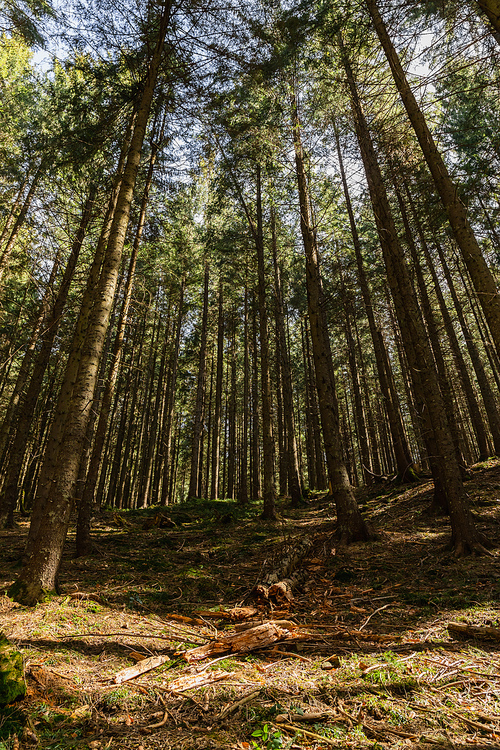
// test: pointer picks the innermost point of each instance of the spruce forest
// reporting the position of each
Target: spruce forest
(249, 374)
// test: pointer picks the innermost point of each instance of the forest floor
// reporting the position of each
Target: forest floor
(366, 658)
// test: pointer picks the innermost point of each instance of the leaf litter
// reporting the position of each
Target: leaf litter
(170, 636)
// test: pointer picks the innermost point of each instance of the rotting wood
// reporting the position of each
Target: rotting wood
(280, 592)
(279, 583)
(145, 665)
(474, 631)
(239, 642)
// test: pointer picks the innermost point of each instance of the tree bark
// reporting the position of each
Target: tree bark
(54, 440)
(294, 481)
(350, 524)
(481, 275)
(6, 253)
(402, 453)
(24, 414)
(474, 410)
(487, 395)
(83, 539)
(243, 484)
(194, 488)
(269, 491)
(39, 574)
(216, 423)
(255, 487)
(432, 412)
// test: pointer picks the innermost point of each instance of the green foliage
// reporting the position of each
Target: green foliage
(270, 739)
(21, 19)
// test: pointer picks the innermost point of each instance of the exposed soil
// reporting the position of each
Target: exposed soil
(368, 662)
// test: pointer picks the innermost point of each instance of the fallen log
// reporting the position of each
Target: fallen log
(240, 642)
(289, 563)
(277, 586)
(474, 631)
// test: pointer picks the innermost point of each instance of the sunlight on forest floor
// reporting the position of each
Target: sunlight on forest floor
(369, 661)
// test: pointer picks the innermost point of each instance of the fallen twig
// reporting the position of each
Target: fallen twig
(374, 613)
(232, 707)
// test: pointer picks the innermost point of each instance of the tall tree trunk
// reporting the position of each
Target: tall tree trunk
(24, 414)
(402, 453)
(350, 524)
(243, 484)
(432, 331)
(54, 440)
(359, 412)
(216, 424)
(255, 487)
(13, 209)
(169, 413)
(487, 395)
(269, 491)
(491, 9)
(465, 537)
(83, 539)
(310, 444)
(481, 275)
(294, 481)
(194, 487)
(8, 423)
(474, 410)
(44, 556)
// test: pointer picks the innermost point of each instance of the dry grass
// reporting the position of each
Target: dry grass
(378, 665)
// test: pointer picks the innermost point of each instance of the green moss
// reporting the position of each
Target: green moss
(12, 684)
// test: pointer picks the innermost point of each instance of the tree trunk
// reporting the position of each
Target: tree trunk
(168, 417)
(432, 331)
(491, 9)
(24, 414)
(243, 485)
(194, 488)
(24, 370)
(54, 440)
(83, 539)
(432, 412)
(44, 556)
(487, 395)
(294, 481)
(255, 487)
(216, 424)
(404, 461)
(474, 410)
(481, 275)
(350, 524)
(310, 445)
(269, 491)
